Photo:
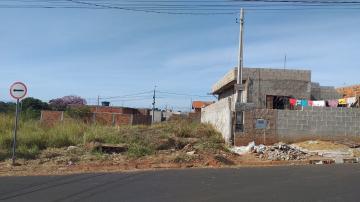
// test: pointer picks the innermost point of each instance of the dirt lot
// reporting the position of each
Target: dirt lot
(75, 159)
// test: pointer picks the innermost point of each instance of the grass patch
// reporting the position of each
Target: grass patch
(33, 137)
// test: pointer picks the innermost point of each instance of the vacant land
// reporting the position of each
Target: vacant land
(73, 146)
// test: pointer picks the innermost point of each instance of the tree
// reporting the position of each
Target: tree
(7, 107)
(31, 107)
(66, 101)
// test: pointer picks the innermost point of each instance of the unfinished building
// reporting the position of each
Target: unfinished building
(268, 116)
(271, 88)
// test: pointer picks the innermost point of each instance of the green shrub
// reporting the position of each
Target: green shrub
(137, 150)
(81, 112)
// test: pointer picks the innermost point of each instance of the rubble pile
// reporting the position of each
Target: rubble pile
(279, 151)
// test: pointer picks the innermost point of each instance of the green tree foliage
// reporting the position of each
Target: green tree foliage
(7, 107)
(31, 108)
(79, 112)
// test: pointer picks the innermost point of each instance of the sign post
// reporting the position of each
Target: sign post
(18, 91)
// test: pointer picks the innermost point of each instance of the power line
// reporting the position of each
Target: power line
(187, 7)
(184, 94)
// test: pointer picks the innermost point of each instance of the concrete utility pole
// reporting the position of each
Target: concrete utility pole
(239, 88)
(241, 60)
(153, 105)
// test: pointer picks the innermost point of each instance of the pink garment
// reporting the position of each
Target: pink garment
(310, 103)
(333, 103)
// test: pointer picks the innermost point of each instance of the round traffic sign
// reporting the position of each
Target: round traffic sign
(18, 90)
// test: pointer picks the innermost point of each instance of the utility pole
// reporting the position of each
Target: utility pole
(153, 105)
(239, 115)
(98, 103)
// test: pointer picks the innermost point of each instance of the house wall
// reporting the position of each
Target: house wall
(292, 83)
(220, 116)
(349, 91)
(277, 82)
(260, 136)
(323, 92)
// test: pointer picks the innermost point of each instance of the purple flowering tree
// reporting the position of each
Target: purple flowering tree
(64, 102)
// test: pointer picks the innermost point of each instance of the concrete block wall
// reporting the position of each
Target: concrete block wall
(323, 92)
(264, 81)
(277, 82)
(220, 116)
(318, 123)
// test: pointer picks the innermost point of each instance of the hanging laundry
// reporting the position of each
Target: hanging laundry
(292, 102)
(304, 103)
(311, 103)
(319, 103)
(333, 103)
(342, 101)
(350, 101)
(298, 102)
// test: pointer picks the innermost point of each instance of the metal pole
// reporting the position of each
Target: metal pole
(15, 132)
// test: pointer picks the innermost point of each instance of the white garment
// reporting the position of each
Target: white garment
(319, 103)
(350, 101)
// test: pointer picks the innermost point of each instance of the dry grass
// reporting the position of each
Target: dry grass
(33, 137)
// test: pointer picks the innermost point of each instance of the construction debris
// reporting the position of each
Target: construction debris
(276, 152)
(280, 151)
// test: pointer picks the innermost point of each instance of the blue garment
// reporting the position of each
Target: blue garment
(304, 103)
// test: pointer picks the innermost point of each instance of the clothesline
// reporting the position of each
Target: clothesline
(343, 102)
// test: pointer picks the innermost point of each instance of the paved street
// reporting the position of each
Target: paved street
(304, 183)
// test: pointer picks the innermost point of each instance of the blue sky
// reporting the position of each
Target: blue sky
(59, 52)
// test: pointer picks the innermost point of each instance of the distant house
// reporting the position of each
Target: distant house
(198, 105)
(349, 91)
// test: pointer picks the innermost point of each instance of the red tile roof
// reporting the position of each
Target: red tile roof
(200, 104)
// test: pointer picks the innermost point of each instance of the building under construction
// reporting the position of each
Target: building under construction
(281, 104)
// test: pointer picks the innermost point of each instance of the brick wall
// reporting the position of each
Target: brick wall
(260, 136)
(51, 117)
(117, 119)
(140, 119)
(350, 91)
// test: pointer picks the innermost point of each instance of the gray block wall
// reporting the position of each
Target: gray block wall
(277, 82)
(318, 123)
(323, 92)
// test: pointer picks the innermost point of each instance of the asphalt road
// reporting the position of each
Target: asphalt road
(300, 183)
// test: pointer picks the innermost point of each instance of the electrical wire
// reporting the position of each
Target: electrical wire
(214, 7)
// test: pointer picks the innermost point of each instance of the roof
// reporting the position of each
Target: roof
(200, 104)
(349, 91)
(230, 77)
